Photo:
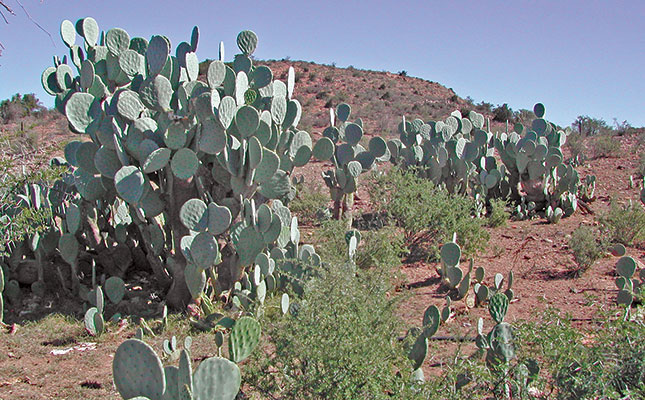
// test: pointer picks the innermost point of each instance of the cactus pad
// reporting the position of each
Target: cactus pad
(80, 110)
(497, 307)
(247, 41)
(184, 164)
(129, 183)
(451, 254)
(138, 371)
(204, 250)
(194, 215)
(626, 266)
(115, 289)
(431, 320)
(244, 337)
(216, 378)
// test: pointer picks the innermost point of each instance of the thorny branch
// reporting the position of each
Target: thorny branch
(8, 9)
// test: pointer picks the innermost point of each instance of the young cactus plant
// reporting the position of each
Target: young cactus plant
(553, 215)
(630, 289)
(94, 321)
(417, 338)
(514, 380)
(452, 275)
(138, 371)
(498, 343)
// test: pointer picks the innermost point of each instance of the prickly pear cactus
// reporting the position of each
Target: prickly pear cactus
(534, 162)
(177, 157)
(629, 287)
(341, 144)
(243, 339)
(138, 370)
(455, 153)
(459, 153)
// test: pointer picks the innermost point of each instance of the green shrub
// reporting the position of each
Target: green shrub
(498, 215)
(606, 146)
(20, 106)
(418, 206)
(18, 219)
(641, 165)
(503, 113)
(310, 204)
(575, 142)
(624, 224)
(585, 247)
(330, 237)
(340, 344)
(606, 362)
(382, 248)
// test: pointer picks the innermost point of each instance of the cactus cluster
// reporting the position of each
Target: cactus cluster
(459, 153)
(341, 145)
(484, 293)
(535, 167)
(453, 276)
(139, 373)
(455, 153)
(114, 288)
(172, 350)
(587, 188)
(175, 162)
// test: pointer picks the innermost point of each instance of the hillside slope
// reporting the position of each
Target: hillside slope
(378, 98)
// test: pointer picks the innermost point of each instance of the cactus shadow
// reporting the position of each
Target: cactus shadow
(60, 342)
(424, 283)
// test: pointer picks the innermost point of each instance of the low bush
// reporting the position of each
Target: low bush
(339, 344)
(498, 215)
(310, 204)
(419, 207)
(623, 224)
(576, 144)
(606, 146)
(585, 247)
(382, 248)
(604, 363)
(19, 218)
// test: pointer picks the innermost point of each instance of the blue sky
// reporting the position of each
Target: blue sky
(577, 57)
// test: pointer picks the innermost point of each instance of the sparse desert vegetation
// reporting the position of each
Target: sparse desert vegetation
(287, 230)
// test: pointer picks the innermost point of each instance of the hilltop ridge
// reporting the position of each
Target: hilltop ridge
(379, 98)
